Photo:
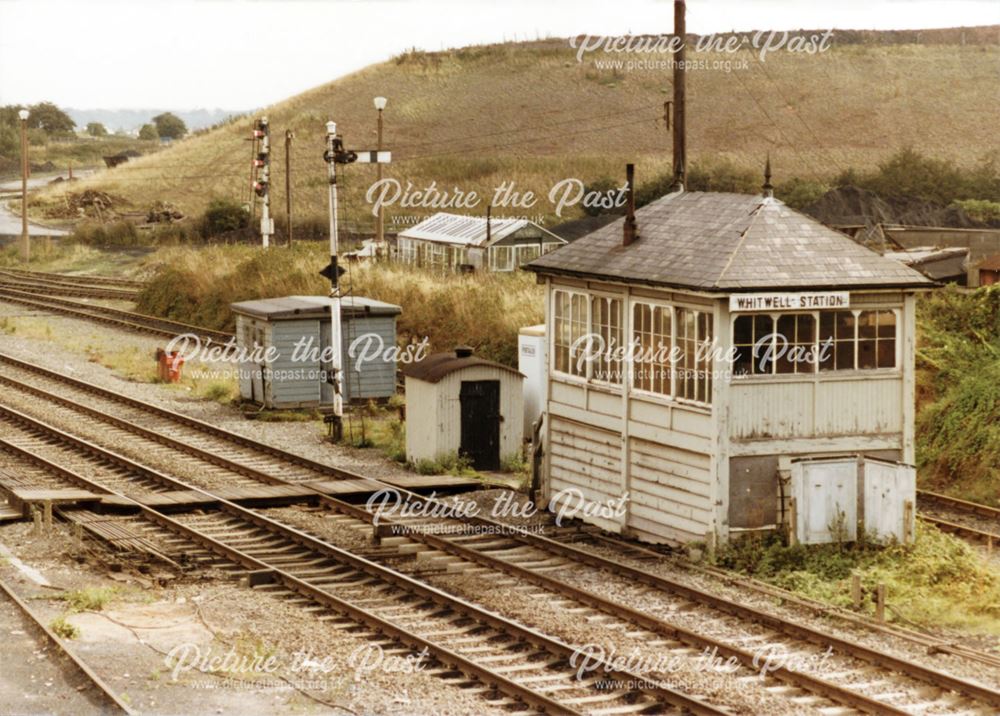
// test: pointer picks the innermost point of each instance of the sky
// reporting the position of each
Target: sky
(244, 54)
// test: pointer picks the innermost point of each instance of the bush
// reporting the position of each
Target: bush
(121, 234)
(911, 175)
(958, 381)
(88, 599)
(222, 217)
(982, 210)
(63, 628)
(723, 175)
(800, 193)
(938, 580)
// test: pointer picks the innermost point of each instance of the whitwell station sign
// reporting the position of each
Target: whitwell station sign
(810, 301)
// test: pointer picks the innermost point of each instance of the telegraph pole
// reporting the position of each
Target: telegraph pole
(288, 181)
(680, 140)
(380, 103)
(336, 154)
(25, 168)
(262, 187)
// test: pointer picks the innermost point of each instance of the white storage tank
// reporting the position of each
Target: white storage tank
(532, 361)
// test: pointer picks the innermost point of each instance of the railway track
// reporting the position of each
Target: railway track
(971, 521)
(514, 666)
(54, 288)
(112, 316)
(72, 279)
(110, 701)
(926, 641)
(538, 562)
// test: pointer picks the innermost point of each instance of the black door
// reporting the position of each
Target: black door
(480, 442)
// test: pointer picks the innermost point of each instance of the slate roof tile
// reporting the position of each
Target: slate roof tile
(727, 242)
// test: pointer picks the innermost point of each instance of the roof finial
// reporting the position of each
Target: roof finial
(768, 189)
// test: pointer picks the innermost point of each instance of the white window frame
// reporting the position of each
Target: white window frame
(709, 387)
(816, 372)
(654, 303)
(607, 296)
(571, 377)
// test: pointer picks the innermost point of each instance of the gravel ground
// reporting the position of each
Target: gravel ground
(34, 680)
(77, 339)
(204, 618)
(307, 439)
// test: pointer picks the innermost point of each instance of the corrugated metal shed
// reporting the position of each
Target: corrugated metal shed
(313, 307)
(301, 324)
(468, 230)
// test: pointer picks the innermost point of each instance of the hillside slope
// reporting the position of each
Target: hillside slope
(532, 114)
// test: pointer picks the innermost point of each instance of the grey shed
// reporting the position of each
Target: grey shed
(283, 339)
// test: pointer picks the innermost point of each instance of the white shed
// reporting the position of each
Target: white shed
(452, 241)
(457, 403)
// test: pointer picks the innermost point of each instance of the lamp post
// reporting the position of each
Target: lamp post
(25, 239)
(380, 103)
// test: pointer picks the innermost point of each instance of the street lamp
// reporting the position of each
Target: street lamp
(25, 239)
(380, 103)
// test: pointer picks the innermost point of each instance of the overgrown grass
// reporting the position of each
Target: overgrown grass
(198, 284)
(63, 628)
(450, 464)
(89, 598)
(958, 381)
(937, 581)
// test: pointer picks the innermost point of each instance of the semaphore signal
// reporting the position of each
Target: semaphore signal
(262, 177)
(336, 154)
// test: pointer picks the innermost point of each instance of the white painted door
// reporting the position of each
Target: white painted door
(888, 487)
(825, 494)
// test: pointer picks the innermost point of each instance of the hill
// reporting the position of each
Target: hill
(531, 113)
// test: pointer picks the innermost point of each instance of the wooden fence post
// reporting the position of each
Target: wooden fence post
(793, 537)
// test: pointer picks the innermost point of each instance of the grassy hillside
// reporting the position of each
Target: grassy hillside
(532, 114)
(958, 402)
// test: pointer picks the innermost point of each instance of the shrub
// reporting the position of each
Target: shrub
(937, 580)
(909, 174)
(958, 381)
(982, 210)
(115, 234)
(800, 193)
(723, 175)
(63, 628)
(88, 599)
(223, 216)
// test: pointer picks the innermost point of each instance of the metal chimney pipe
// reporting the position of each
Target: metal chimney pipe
(629, 232)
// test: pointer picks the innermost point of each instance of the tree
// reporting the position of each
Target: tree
(170, 126)
(51, 119)
(96, 129)
(148, 132)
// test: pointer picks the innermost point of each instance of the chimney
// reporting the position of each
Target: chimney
(489, 233)
(629, 231)
(463, 351)
(768, 189)
(680, 141)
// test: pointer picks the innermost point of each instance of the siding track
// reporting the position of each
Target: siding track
(866, 679)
